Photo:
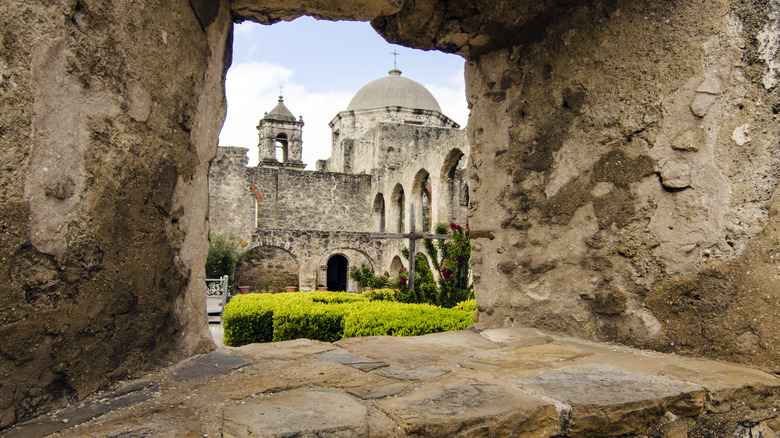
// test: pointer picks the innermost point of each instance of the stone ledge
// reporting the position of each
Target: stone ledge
(507, 382)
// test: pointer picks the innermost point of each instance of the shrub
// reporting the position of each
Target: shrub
(381, 295)
(467, 306)
(224, 252)
(330, 316)
(245, 322)
(451, 260)
(400, 319)
(366, 278)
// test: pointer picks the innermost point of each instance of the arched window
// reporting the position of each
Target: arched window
(379, 213)
(395, 267)
(399, 201)
(281, 148)
(425, 204)
(422, 190)
(455, 186)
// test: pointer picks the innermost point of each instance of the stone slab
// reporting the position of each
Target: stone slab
(533, 356)
(300, 413)
(381, 391)
(418, 350)
(715, 376)
(517, 336)
(608, 400)
(286, 349)
(354, 360)
(403, 373)
(471, 404)
(211, 364)
(128, 395)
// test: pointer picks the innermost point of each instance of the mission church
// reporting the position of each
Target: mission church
(392, 150)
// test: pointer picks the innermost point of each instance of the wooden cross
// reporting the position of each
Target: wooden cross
(413, 236)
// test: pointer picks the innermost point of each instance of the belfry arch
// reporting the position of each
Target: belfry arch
(281, 149)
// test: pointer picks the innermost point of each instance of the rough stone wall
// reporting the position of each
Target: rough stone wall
(626, 158)
(297, 200)
(393, 143)
(103, 191)
(231, 200)
(355, 126)
(312, 249)
(434, 158)
(267, 269)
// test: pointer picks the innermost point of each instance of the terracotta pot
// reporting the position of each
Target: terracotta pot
(323, 289)
(290, 289)
(368, 289)
(243, 289)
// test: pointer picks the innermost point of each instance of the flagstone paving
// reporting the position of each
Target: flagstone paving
(502, 382)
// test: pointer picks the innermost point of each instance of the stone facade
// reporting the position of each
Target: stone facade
(623, 155)
(299, 220)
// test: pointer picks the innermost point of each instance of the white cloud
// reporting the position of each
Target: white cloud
(452, 101)
(252, 89)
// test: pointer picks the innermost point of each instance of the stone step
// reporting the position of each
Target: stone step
(503, 382)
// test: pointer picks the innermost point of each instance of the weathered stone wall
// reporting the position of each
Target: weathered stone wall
(349, 150)
(626, 158)
(394, 143)
(297, 200)
(433, 157)
(267, 269)
(231, 200)
(312, 249)
(104, 151)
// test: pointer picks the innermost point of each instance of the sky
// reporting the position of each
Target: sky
(320, 65)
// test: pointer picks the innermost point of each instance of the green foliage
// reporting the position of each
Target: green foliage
(453, 266)
(330, 316)
(317, 321)
(244, 322)
(381, 295)
(366, 278)
(451, 260)
(400, 319)
(424, 284)
(467, 306)
(224, 252)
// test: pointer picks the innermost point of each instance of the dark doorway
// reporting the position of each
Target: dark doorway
(337, 273)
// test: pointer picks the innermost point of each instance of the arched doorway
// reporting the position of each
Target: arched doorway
(337, 273)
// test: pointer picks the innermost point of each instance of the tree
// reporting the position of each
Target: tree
(224, 252)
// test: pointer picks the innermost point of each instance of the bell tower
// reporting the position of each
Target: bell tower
(280, 139)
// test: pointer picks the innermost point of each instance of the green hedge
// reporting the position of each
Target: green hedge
(330, 316)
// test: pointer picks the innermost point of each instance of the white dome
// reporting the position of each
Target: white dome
(393, 90)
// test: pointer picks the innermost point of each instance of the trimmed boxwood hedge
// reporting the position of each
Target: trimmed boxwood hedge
(330, 316)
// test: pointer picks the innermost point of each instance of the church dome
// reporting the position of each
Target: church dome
(393, 90)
